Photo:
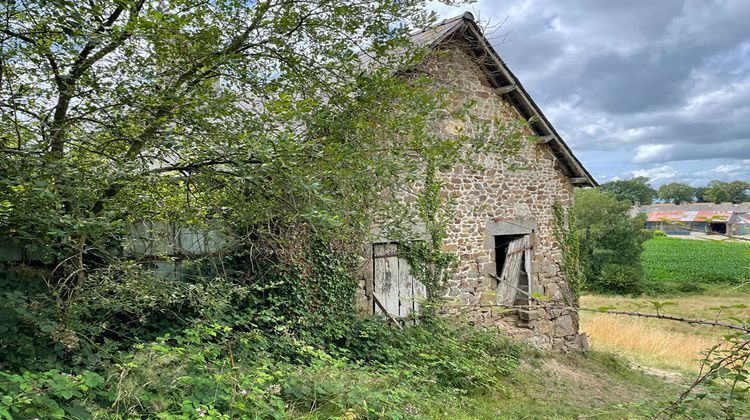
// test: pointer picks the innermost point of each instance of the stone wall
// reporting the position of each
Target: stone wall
(494, 201)
(517, 197)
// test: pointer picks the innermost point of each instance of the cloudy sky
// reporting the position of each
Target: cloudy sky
(659, 88)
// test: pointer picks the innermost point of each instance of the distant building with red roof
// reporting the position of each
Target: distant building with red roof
(683, 219)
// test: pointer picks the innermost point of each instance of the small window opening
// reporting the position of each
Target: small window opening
(512, 265)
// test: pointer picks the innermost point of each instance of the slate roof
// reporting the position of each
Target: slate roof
(507, 85)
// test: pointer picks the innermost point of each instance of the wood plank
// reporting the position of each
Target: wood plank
(529, 273)
(546, 139)
(508, 282)
(405, 288)
(385, 278)
(524, 281)
(502, 90)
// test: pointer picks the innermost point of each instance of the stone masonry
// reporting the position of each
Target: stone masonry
(499, 198)
(500, 194)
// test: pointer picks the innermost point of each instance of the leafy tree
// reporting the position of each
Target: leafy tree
(716, 192)
(285, 127)
(722, 192)
(636, 190)
(738, 191)
(700, 194)
(121, 110)
(611, 242)
(677, 192)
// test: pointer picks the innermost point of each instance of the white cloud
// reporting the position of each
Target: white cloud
(655, 174)
(652, 153)
(723, 169)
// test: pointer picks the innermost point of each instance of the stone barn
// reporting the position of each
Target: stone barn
(503, 234)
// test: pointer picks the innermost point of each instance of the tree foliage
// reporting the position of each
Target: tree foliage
(287, 129)
(611, 242)
(727, 192)
(677, 193)
(636, 190)
(121, 111)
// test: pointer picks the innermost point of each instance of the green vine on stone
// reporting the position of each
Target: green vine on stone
(429, 264)
(567, 236)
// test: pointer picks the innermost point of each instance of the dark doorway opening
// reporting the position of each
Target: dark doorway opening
(501, 250)
(718, 228)
(520, 289)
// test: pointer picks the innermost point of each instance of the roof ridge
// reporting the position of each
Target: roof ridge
(465, 16)
(502, 78)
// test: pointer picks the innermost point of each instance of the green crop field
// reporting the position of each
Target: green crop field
(686, 265)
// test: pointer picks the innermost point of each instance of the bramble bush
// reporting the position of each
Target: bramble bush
(214, 370)
(467, 359)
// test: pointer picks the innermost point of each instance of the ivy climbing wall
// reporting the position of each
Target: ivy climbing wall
(509, 196)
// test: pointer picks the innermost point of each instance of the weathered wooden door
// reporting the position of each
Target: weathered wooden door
(395, 288)
(517, 258)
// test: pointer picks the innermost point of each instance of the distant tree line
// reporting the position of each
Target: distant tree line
(638, 191)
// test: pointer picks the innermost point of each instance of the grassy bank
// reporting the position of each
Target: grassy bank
(593, 385)
(674, 265)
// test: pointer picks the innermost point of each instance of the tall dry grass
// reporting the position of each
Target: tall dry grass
(647, 341)
(659, 343)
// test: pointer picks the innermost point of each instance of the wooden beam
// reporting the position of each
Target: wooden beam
(502, 90)
(546, 139)
(579, 180)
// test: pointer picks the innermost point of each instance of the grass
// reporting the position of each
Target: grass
(658, 343)
(697, 279)
(684, 265)
(645, 341)
(594, 385)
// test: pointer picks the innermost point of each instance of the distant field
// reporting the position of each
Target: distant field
(685, 265)
(658, 343)
(697, 277)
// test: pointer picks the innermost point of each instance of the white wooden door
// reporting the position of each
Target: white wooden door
(385, 274)
(395, 287)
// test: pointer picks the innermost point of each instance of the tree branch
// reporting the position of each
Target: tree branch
(84, 61)
(188, 79)
(190, 167)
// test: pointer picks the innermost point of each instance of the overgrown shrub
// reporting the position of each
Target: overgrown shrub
(112, 309)
(219, 372)
(611, 242)
(310, 296)
(620, 279)
(50, 394)
(436, 352)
